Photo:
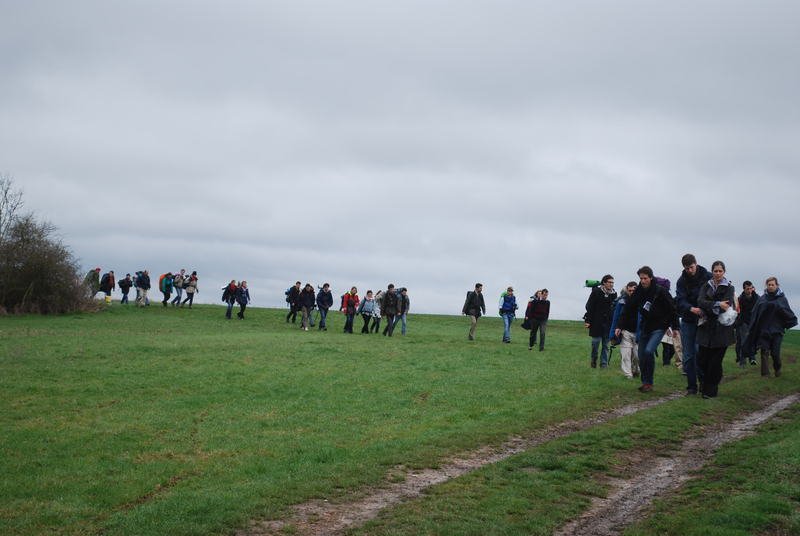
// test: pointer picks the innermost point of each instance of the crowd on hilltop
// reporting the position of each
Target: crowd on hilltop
(168, 283)
(696, 325)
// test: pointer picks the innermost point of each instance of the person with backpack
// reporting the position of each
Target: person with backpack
(376, 313)
(142, 287)
(597, 320)
(190, 285)
(655, 309)
(306, 302)
(107, 284)
(349, 306)
(772, 316)
(292, 298)
(324, 303)
(125, 287)
(242, 298)
(403, 306)
(178, 284)
(389, 309)
(165, 285)
(365, 309)
(229, 297)
(474, 307)
(92, 282)
(508, 307)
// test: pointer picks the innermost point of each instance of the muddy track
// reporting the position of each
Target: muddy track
(629, 498)
(321, 517)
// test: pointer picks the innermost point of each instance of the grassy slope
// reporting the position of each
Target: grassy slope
(155, 421)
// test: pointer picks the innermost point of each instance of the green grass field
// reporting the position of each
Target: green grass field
(165, 421)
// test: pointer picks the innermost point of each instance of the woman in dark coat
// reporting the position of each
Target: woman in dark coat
(713, 338)
(771, 317)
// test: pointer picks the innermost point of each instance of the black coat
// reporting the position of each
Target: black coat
(687, 290)
(599, 309)
(711, 333)
(771, 316)
(324, 299)
(654, 304)
(474, 304)
(307, 299)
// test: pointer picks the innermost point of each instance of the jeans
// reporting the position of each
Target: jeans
(689, 341)
(537, 326)
(178, 295)
(124, 298)
(348, 323)
(230, 308)
(508, 318)
(402, 319)
(596, 343)
(648, 344)
(323, 316)
(189, 298)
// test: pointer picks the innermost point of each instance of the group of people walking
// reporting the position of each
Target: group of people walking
(392, 304)
(704, 318)
(168, 283)
(537, 313)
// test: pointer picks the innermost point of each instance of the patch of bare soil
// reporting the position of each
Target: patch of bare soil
(320, 517)
(625, 504)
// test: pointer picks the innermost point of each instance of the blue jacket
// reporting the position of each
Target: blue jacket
(508, 304)
(687, 290)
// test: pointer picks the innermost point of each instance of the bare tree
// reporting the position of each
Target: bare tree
(10, 204)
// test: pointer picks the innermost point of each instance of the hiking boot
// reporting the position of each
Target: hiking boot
(646, 388)
(691, 392)
(777, 373)
(594, 364)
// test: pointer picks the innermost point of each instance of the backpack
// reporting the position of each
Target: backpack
(662, 282)
(288, 298)
(104, 281)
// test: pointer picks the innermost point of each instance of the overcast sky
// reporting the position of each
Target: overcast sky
(429, 144)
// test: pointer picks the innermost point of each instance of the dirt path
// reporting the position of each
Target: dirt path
(626, 503)
(321, 517)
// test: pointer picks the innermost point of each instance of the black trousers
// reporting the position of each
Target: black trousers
(389, 329)
(709, 360)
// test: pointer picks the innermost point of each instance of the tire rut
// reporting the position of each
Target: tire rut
(319, 517)
(629, 498)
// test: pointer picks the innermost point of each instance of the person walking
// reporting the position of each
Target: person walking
(713, 337)
(474, 307)
(178, 284)
(772, 316)
(508, 307)
(306, 301)
(626, 337)
(655, 309)
(536, 314)
(745, 305)
(125, 287)
(365, 309)
(687, 290)
(143, 286)
(292, 298)
(389, 309)
(165, 286)
(349, 306)
(190, 285)
(107, 284)
(229, 297)
(597, 319)
(403, 306)
(376, 313)
(242, 298)
(324, 303)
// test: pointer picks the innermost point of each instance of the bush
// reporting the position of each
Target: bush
(38, 274)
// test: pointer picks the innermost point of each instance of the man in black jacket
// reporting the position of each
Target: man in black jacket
(293, 299)
(324, 302)
(657, 310)
(687, 290)
(599, 309)
(747, 300)
(474, 307)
